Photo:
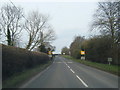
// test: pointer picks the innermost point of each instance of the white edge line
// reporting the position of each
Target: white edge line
(72, 71)
(33, 78)
(82, 81)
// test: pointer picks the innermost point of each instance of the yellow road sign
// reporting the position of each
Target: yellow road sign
(50, 53)
(82, 52)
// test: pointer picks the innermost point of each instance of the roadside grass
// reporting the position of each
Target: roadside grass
(114, 69)
(18, 79)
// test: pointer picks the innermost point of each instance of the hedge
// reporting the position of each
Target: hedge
(15, 60)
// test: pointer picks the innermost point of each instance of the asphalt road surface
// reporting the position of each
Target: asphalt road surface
(65, 73)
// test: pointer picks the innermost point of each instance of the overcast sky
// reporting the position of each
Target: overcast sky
(68, 19)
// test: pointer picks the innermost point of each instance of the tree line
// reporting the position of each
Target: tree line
(14, 25)
(99, 48)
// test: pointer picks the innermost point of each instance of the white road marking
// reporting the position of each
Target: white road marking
(69, 62)
(82, 81)
(68, 67)
(33, 78)
(76, 75)
(72, 71)
(66, 64)
(58, 62)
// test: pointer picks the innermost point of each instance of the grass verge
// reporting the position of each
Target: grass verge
(18, 79)
(114, 69)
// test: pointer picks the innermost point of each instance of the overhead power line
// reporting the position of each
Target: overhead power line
(17, 9)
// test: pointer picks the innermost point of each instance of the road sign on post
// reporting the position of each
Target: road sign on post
(82, 52)
(82, 55)
(50, 53)
(109, 60)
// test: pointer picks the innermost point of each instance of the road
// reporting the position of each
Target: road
(64, 73)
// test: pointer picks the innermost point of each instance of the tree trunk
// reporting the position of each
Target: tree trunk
(8, 36)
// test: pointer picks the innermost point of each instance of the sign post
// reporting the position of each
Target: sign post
(50, 54)
(109, 60)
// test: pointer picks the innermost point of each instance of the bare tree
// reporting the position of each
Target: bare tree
(10, 26)
(117, 4)
(38, 30)
(106, 18)
(107, 21)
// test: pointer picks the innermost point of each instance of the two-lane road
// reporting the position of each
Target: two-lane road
(64, 73)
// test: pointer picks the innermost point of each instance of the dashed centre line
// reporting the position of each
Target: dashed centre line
(82, 81)
(76, 75)
(66, 64)
(68, 67)
(72, 71)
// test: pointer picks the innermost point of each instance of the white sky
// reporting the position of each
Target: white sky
(68, 18)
